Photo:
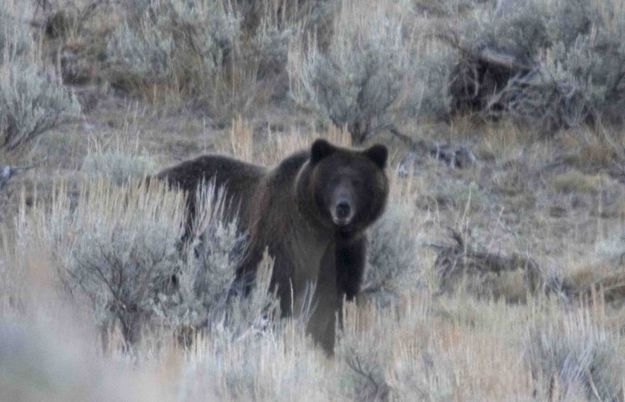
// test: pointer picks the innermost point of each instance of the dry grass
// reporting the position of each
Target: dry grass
(575, 181)
(416, 345)
(243, 144)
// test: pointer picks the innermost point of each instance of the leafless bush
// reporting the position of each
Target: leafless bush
(574, 355)
(270, 26)
(257, 66)
(266, 52)
(367, 74)
(446, 8)
(368, 375)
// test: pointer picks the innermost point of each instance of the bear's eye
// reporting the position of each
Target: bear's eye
(357, 181)
(334, 181)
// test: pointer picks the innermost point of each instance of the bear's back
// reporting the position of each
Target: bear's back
(288, 168)
(238, 177)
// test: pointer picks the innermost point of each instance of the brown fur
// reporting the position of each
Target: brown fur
(288, 209)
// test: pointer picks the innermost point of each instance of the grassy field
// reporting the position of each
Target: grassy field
(496, 274)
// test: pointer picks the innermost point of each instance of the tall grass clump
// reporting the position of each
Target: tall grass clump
(368, 74)
(278, 365)
(424, 348)
(116, 250)
(15, 36)
(572, 356)
(11, 279)
(388, 354)
(365, 364)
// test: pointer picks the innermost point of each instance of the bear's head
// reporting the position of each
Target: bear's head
(348, 188)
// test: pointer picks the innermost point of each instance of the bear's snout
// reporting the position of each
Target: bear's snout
(342, 212)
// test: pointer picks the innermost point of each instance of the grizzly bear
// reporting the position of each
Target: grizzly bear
(311, 212)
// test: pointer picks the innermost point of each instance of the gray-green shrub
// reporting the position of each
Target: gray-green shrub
(117, 250)
(209, 52)
(364, 73)
(32, 98)
(32, 101)
(117, 166)
(173, 43)
(207, 296)
(394, 263)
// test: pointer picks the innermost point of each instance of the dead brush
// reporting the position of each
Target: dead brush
(464, 265)
(610, 281)
(545, 64)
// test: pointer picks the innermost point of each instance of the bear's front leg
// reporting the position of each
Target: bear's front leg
(326, 303)
(351, 257)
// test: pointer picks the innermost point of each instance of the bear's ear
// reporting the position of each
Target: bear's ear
(378, 154)
(320, 149)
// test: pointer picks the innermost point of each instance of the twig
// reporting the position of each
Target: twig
(380, 390)
(8, 171)
(485, 54)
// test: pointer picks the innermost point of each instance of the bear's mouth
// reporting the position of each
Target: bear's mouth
(342, 217)
(341, 221)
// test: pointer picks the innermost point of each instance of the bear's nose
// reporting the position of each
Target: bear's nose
(343, 209)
